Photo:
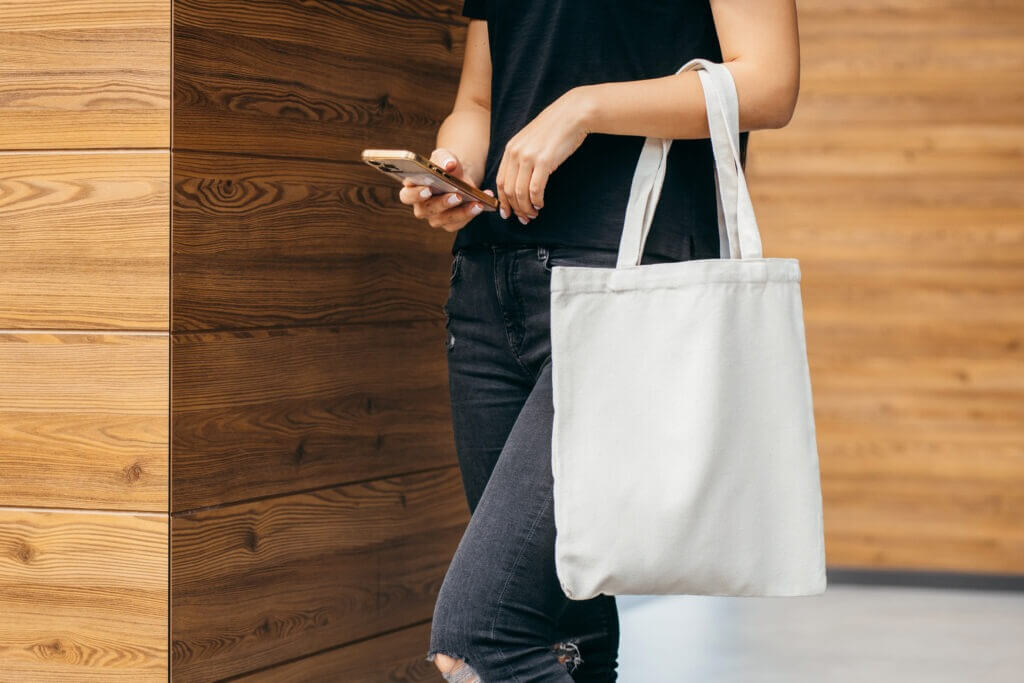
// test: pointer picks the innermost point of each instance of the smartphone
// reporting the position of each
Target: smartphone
(401, 164)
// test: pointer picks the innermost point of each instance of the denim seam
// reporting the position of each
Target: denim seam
(505, 314)
(521, 311)
(511, 572)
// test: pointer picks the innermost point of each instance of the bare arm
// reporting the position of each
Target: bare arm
(462, 138)
(467, 130)
(760, 47)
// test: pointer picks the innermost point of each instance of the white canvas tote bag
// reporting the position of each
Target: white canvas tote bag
(684, 449)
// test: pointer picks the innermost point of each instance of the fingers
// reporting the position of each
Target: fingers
(440, 210)
(454, 219)
(538, 182)
(413, 194)
(504, 207)
(446, 159)
(523, 197)
(520, 198)
(454, 216)
(521, 182)
(447, 211)
(428, 208)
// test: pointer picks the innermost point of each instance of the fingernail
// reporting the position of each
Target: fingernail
(448, 161)
(476, 209)
(536, 208)
(454, 199)
(523, 220)
(503, 212)
(425, 192)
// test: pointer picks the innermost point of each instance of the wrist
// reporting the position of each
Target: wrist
(585, 107)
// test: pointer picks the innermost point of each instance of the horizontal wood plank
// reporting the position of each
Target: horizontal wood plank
(317, 81)
(281, 242)
(83, 596)
(396, 656)
(85, 241)
(260, 583)
(85, 74)
(263, 412)
(83, 420)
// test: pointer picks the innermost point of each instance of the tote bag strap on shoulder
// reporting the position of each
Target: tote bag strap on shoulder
(737, 225)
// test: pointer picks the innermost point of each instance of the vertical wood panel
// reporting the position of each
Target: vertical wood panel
(84, 340)
(308, 338)
(899, 185)
(83, 596)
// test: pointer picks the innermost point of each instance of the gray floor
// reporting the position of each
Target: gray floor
(850, 633)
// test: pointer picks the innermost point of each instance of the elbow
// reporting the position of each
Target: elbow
(768, 115)
(777, 117)
(767, 98)
(779, 105)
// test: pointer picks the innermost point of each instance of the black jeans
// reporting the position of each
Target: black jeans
(501, 608)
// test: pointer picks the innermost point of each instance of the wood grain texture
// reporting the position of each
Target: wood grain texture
(84, 74)
(313, 80)
(260, 583)
(83, 596)
(84, 241)
(911, 63)
(281, 242)
(266, 412)
(899, 185)
(368, 661)
(307, 338)
(83, 420)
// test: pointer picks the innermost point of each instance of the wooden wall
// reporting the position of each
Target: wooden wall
(288, 368)
(316, 501)
(84, 343)
(225, 446)
(899, 185)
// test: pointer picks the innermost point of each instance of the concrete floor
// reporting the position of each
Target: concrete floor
(851, 633)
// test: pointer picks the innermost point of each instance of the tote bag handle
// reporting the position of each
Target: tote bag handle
(737, 225)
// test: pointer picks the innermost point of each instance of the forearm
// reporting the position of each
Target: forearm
(467, 132)
(673, 106)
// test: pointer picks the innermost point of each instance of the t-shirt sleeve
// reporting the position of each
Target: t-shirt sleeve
(476, 9)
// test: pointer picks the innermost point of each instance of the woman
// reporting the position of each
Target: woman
(555, 100)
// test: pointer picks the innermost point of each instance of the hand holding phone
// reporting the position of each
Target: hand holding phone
(438, 191)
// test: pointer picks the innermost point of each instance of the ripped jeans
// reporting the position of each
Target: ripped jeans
(501, 608)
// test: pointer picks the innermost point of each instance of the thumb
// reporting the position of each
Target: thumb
(445, 158)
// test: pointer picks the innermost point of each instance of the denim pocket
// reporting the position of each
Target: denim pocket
(577, 256)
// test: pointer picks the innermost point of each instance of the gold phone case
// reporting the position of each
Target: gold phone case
(402, 163)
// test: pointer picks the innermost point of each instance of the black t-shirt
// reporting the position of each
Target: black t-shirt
(542, 48)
